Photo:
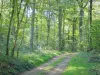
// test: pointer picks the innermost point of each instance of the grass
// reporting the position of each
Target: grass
(79, 65)
(13, 66)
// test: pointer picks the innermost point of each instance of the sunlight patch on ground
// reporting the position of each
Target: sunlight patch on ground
(58, 69)
(74, 68)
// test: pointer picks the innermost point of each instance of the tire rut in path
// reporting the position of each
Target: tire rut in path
(58, 70)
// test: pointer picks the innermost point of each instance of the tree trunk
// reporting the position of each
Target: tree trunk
(21, 41)
(59, 28)
(54, 35)
(81, 23)
(68, 37)
(37, 35)
(48, 23)
(48, 30)
(82, 5)
(1, 21)
(32, 26)
(74, 28)
(9, 28)
(90, 20)
(63, 30)
(18, 25)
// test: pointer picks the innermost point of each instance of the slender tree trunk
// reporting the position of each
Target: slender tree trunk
(82, 5)
(9, 28)
(41, 36)
(90, 20)
(31, 38)
(23, 31)
(18, 25)
(21, 41)
(37, 35)
(59, 28)
(81, 23)
(48, 24)
(63, 30)
(91, 12)
(1, 21)
(54, 35)
(68, 37)
(48, 30)
(81, 28)
(1, 13)
(74, 28)
(32, 26)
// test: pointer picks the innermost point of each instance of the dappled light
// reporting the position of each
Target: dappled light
(49, 37)
(79, 65)
(72, 68)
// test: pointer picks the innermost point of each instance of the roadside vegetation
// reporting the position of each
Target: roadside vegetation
(13, 66)
(34, 31)
(82, 64)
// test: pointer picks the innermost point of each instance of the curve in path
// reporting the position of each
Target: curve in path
(57, 70)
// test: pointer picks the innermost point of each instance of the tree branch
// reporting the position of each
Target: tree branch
(85, 4)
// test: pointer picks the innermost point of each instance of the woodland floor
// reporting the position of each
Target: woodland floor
(52, 67)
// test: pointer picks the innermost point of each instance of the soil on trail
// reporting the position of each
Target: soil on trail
(56, 70)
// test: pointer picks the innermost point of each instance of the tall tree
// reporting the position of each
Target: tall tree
(90, 13)
(60, 28)
(18, 10)
(48, 21)
(23, 33)
(9, 28)
(32, 25)
(82, 5)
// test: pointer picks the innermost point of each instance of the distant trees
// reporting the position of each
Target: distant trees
(82, 4)
(27, 25)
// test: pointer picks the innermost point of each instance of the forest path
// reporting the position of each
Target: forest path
(59, 64)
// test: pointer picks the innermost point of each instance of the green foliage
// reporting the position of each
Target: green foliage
(79, 65)
(22, 22)
(13, 66)
(38, 57)
(95, 35)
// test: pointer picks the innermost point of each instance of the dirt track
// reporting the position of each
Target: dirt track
(57, 70)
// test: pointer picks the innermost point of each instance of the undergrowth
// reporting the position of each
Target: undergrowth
(14, 66)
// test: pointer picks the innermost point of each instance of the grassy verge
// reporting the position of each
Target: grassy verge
(13, 66)
(79, 65)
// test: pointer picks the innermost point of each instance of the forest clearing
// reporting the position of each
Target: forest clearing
(49, 37)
